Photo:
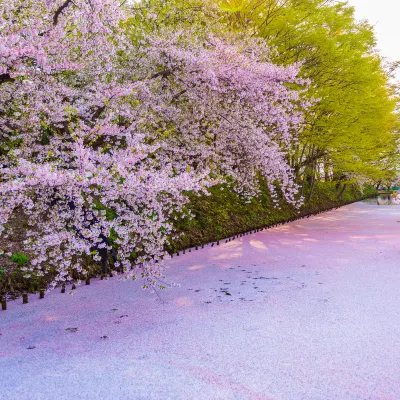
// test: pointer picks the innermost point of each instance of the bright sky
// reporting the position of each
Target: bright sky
(384, 15)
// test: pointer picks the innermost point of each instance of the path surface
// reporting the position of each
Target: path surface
(313, 312)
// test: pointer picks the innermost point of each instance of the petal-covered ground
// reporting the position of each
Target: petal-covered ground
(309, 310)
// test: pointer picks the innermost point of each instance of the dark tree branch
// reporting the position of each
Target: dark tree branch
(176, 96)
(342, 191)
(6, 78)
(60, 10)
(310, 159)
(98, 112)
(165, 74)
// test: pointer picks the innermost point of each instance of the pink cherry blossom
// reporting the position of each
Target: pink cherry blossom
(92, 121)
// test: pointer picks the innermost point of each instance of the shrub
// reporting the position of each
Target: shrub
(19, 258)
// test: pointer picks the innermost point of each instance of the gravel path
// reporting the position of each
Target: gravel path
(309, 310)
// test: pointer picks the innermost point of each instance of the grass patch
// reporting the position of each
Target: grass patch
(20, 258)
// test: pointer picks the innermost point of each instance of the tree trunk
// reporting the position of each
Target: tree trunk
(342, 191)
(312, 184)
(326, 169)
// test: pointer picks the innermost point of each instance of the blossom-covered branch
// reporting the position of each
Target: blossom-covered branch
(103, 135)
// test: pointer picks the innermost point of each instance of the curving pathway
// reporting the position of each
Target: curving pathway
(309, 310)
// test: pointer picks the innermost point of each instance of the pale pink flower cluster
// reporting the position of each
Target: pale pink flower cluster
(93, 121)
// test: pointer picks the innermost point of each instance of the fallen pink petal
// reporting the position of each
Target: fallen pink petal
(322, 324)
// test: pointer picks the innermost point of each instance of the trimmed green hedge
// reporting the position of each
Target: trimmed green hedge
(225, 214)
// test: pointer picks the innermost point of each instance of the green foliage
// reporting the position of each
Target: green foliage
(224, 213)
(20, 258)
(110, 212)
(352, 128)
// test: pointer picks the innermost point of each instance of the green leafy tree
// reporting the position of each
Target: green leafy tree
(350, 130)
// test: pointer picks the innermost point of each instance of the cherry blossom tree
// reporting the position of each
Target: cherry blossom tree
(230, 110)
(103, 135)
